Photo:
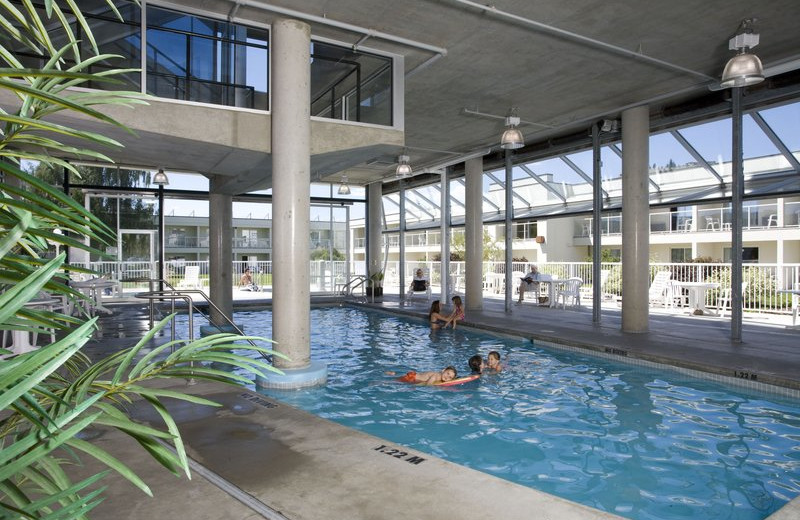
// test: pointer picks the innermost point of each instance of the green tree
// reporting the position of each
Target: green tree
(123, 212)
(491, 250)
(323, 254)
(48, 396)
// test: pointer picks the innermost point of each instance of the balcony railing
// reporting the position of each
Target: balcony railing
(182, 242)
(762, 216)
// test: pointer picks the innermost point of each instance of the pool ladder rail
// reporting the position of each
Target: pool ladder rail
(172, 294)
(349, 288)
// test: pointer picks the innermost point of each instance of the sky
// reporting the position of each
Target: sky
(711, 139)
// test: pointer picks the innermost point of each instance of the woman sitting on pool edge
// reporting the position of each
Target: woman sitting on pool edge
(435, 316)
(428, 378)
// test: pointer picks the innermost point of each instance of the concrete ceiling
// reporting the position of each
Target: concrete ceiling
(562, 65)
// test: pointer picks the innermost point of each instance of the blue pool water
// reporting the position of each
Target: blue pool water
(638, 442)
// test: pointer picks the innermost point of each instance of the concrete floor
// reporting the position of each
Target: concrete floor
(257, 458)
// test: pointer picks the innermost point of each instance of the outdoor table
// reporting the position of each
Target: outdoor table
(21, 339)
(551, 283)
(697, 295)
(795, 296)
(94, 289)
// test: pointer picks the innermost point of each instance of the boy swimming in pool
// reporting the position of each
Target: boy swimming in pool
(493, 361)
(476, 364)
(428, 378)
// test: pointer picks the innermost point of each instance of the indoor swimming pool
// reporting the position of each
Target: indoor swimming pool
(637, 441)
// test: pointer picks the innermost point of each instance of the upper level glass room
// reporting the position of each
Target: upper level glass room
(196, 58)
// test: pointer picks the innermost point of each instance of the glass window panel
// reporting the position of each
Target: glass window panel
(208, 61)
(350, 85)
(187, 181)
(495, 191)
(755, 142)
(611, 162)
(583, 160)
(391, 211)
(783, 121)
(667, 154)
(712, 140)
(166, 53)
(560, 170)
(204, 61)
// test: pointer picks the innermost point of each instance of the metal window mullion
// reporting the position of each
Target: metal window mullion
(777, 141)
(695, 154)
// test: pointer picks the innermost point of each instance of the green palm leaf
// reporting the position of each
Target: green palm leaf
(50, 395)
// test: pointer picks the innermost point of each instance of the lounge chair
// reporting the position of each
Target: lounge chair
(191, 278)
(661, 289)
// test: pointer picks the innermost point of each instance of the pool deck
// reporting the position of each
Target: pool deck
(256, 458)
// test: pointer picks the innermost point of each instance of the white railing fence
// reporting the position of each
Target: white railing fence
(760, 295)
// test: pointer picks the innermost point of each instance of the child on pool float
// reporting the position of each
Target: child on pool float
(428, 378)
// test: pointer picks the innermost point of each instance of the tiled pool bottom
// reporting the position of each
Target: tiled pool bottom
(631, 440)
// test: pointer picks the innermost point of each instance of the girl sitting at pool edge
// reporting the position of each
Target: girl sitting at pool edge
(458, 312)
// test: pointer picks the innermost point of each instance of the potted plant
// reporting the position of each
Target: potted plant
(375, 285)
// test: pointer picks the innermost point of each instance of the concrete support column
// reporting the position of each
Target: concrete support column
(374, 242)
(291, 173)
(635, 221)
(473, 233)
(220, 252)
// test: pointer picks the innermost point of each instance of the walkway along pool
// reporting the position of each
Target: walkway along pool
(640, 442)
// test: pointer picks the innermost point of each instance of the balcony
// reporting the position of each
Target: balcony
(184, 242)
(754, 217)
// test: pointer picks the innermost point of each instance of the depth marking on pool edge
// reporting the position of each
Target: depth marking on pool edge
(617, 351)
(744, 374)
(258, 400)
(399, 454)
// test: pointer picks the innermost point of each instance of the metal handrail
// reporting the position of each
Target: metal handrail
(173, 294)
(347, 288)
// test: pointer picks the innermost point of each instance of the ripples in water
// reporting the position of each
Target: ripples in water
(640, 443)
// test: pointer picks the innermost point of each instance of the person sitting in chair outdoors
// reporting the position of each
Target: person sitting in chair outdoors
(529, 281)
(419, 283)
(246, 281)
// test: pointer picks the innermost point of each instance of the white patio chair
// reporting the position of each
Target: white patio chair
(191, 278)
(724, 300)
(772, 220)
(420, 286)
(569, 290)
(660, 289)
(712, 224)
(604, 274)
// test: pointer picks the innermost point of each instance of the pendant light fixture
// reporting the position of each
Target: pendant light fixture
(512, 138)
(344, 188)
(745, 68)
(403, 168)
(160, 178)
